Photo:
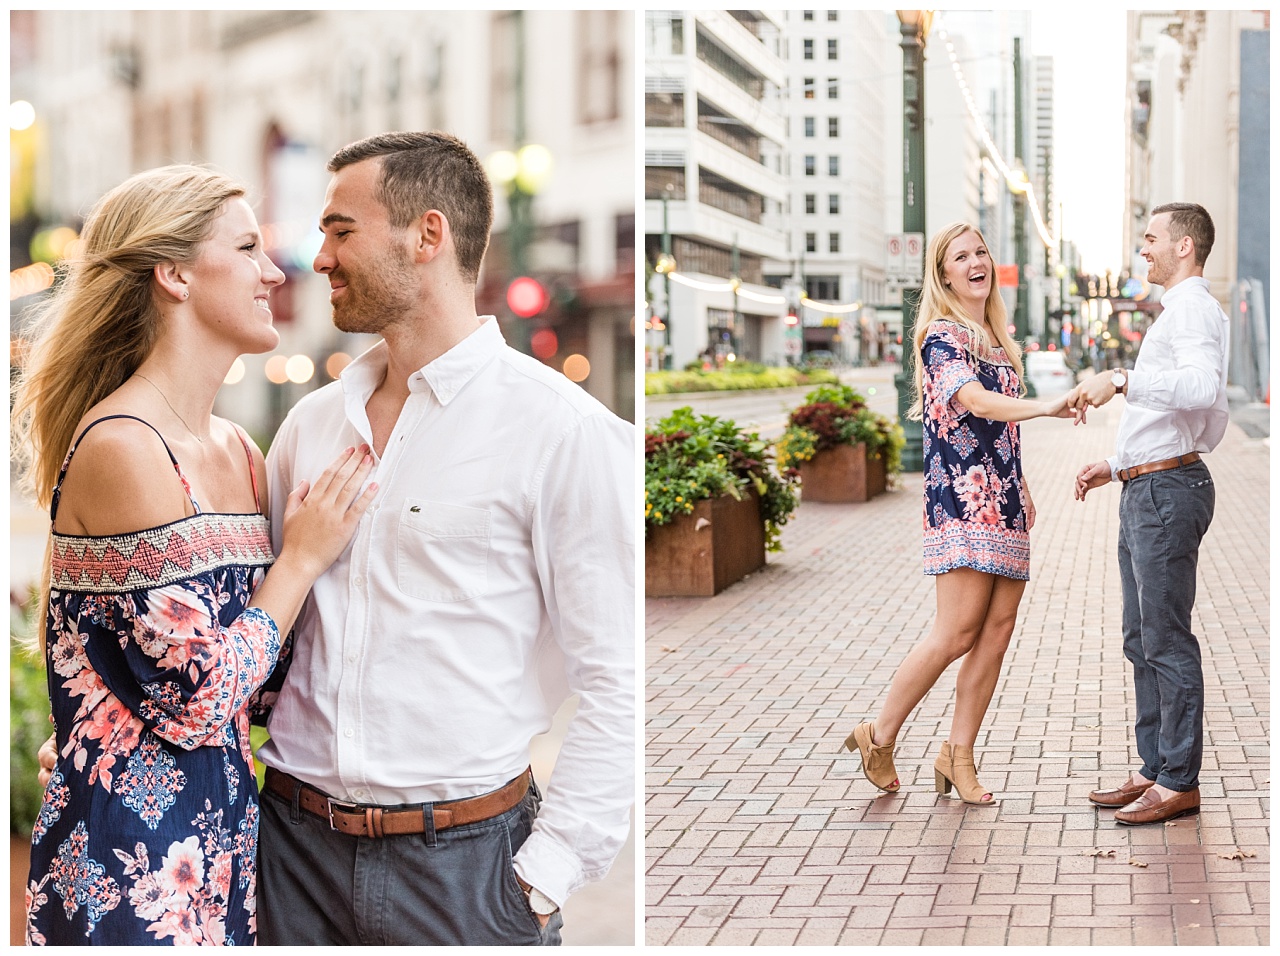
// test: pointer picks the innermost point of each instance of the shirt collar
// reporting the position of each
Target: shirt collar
(1187, 285)
(445, 376)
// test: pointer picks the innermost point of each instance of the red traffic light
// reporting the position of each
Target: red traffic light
(791, 318)
(526, 297)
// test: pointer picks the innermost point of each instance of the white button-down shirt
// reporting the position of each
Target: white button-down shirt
(492, 576)
(1176, 402)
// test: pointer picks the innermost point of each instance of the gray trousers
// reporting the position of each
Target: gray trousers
(1163, 517)
(454, 887)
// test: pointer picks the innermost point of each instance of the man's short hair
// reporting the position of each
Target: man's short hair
(1189, 219)
(430, 170)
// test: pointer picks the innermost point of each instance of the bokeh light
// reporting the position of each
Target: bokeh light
(545, 343)
(299, 369)
(21, 115)
(275, 369)
(335, 363)
(235, 373)
(577, 368)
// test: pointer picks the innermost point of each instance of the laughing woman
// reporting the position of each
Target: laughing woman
(161, 616)
(977, 507)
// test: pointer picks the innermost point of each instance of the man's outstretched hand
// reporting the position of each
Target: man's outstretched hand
(1092, 476)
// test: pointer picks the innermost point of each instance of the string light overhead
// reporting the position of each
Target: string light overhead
(1016, 179)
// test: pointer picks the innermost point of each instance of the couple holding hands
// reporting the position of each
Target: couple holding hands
(978, 508)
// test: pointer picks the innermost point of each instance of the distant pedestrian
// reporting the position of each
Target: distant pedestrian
(977, 508)
(1175, 411)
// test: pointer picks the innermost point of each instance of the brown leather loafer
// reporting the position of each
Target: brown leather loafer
(1122, 795)
(1151, 808)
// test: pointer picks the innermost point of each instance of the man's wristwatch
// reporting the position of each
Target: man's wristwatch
(539, 902)
(1120, 379)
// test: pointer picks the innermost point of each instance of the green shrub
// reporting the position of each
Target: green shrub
(690, 457)
(29, 725)
(739, 376)
(835, 415)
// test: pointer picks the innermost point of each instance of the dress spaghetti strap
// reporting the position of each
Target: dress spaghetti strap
(253, 471)
(57, 489)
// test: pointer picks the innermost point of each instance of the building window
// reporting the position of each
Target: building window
(833, 165)
(833, 88)
(664, 109)
(831, 49)
(810, 164)
(677, 36)
(502, 81)
(822, 288)
(808, 15)
(808, 126)
(599, 66)
(809, 91)
(833, 127)
(810, 242)
(833, 204)
(808, 49)
(810, 203)
(833, 16)
(833, 242)
(657, 178)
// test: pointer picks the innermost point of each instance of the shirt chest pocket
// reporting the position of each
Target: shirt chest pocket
(442, 550)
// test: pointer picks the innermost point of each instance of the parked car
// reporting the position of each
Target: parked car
(1048, 372)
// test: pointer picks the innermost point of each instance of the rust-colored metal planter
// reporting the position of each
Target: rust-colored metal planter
(842, 475)
(701, 554)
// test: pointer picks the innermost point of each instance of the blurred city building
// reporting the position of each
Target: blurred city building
(836, 161)
(813, 99)
(714, 183)
(545, 98)
(1199, 122)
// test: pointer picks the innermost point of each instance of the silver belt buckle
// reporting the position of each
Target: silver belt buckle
(342, 806)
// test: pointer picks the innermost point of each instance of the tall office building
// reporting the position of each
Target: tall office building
(835, 160)
(713, 186)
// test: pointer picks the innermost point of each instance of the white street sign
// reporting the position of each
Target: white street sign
(913, 255)
(895, 249)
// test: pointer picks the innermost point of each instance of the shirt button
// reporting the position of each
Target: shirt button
(352, 658)
(359, 581)
(349, 732)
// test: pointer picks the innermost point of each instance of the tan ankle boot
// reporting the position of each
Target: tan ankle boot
(954, 767)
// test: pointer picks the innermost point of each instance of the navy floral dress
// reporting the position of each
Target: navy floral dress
(974, 502)
(148, 831)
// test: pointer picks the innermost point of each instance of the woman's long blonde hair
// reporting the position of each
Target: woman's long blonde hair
(102, 320)
(939, 301)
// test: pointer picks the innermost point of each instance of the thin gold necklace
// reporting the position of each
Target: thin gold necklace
(171, 408)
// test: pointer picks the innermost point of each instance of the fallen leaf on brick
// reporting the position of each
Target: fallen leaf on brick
(1171, 823)
(1195, 901)
(668, 650)
(1098, 851)
(1133, 862)
(1093, 726)
(700, 524)
(1237, 854)
(1193, 926)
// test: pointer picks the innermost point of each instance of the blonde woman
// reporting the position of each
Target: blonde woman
(978, 509)
(161, 618)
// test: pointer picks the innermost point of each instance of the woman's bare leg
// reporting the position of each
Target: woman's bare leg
(976, 682)
(963, 597)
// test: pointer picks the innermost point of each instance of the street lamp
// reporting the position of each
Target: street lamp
(666, 265)
(522, 174)
(915, 28)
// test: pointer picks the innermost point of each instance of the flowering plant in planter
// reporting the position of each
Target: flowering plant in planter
(689, 457)
(834, 415)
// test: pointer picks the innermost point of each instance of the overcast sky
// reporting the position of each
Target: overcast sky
(1088, 47)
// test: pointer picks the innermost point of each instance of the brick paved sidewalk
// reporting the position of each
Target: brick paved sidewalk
(762, 830)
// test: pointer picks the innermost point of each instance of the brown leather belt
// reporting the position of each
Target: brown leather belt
(1125, 474)
(357, 819)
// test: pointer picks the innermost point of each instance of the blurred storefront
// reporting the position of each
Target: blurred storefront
(268, 96)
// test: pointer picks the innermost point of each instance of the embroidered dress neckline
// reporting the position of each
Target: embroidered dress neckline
(160, 556)
(159, 527)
